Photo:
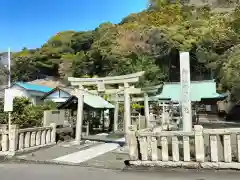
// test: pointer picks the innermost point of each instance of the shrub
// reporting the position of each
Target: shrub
(24, 113)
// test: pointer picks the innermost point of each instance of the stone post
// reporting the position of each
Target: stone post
(48, 136)
(185, 91)
(146, 109)
(199, 143)
(127, 110)
(27, 140)
(79, 123)
(13, 139)
(53, 132)
(4, 142)
(21, 141)
(132, 143)
(33, 139)
(116, 110)
(43, 137)
(38, 138)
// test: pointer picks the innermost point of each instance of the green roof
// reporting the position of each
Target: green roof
(199, 90)
(97, 102)
(93, 101)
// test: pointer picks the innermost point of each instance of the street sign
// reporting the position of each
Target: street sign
(8, 100)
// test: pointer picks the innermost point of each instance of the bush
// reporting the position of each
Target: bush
(24, 113)
(3, 115)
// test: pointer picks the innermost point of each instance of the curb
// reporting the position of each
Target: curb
(128, 166)
(185, 165)
(52, 162)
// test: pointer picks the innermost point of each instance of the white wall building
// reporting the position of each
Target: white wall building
(32, 91)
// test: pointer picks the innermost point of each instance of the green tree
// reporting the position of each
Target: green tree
(27, 115)
(25, 68)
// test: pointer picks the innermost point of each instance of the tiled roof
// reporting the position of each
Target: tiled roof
(92, 100)
(199, 90)
(34, 87)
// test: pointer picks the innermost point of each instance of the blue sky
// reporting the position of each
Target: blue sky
(30, 23)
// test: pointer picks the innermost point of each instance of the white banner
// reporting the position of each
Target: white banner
(8, 100)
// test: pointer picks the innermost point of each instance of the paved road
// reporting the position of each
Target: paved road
(50, 172)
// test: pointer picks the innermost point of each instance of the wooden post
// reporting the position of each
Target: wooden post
(146, 109)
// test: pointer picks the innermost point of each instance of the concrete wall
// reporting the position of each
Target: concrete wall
(54, 116)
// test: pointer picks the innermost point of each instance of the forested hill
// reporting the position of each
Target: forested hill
(149, 41)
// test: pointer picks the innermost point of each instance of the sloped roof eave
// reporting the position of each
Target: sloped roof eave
(106, 106)
(33, 87)
(199, 90)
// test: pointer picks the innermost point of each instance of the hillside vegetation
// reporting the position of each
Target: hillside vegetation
(148, 41)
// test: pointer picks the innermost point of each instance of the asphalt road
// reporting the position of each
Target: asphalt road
(50, 172)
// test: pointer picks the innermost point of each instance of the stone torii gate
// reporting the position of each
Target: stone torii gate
(101, 82)
(147, 93)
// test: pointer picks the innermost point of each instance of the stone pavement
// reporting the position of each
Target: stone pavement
(50, 153)
(96, 154)
(90, 153)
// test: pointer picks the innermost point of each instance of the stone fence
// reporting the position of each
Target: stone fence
(201, 148)
(22, 140)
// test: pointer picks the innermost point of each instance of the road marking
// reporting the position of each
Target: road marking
(87, 154)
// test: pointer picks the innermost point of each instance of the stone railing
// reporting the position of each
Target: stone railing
(201, 148)
(22, 140)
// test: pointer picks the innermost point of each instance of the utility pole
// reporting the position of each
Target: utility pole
(9, 84)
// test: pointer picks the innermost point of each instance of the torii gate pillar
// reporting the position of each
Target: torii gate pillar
(80, 95)
(127, 109)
